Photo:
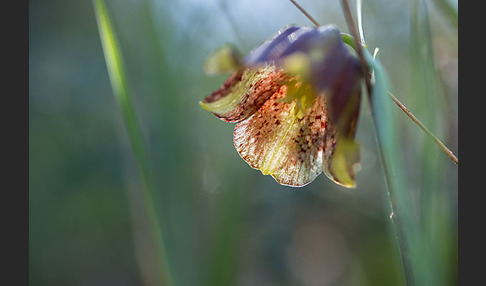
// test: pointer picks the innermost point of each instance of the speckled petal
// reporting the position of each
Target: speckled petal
(279, 143)
(244, 92)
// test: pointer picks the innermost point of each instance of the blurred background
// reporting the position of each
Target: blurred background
(225, 223)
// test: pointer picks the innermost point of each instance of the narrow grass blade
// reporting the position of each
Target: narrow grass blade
(114, 63)
(389, 148)
(388, 145)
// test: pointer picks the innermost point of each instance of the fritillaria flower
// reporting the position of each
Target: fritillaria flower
(295, 100)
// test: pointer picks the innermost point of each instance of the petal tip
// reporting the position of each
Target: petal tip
(344, 163)
(204, 105)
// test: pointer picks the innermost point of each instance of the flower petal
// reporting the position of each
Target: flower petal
(322, 48)
(272, 48)
(278, 142)
(344, 99)
(244, 93)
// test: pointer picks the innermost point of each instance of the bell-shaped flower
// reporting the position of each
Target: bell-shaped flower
(296, 101)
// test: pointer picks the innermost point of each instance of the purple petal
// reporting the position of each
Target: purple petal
(325, 40)
(270, 49)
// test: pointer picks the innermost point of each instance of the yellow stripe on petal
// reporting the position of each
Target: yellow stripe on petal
(244, 93)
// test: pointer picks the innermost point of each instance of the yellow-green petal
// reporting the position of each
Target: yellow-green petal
(244, 92)
(343, 163)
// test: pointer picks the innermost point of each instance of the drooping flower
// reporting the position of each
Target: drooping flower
(296, 100)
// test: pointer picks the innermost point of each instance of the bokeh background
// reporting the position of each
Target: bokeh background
(226, 224)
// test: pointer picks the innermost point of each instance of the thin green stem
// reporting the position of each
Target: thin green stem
(114, 62)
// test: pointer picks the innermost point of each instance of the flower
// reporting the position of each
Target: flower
(296, 100)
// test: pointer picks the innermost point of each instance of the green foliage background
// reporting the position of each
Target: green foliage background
(225, 223)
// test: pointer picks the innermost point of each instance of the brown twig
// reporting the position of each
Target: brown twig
(427, 131)
(305, 13)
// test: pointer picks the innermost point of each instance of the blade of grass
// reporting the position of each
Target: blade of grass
(116, 71)
(388, 145)
(387, 141)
